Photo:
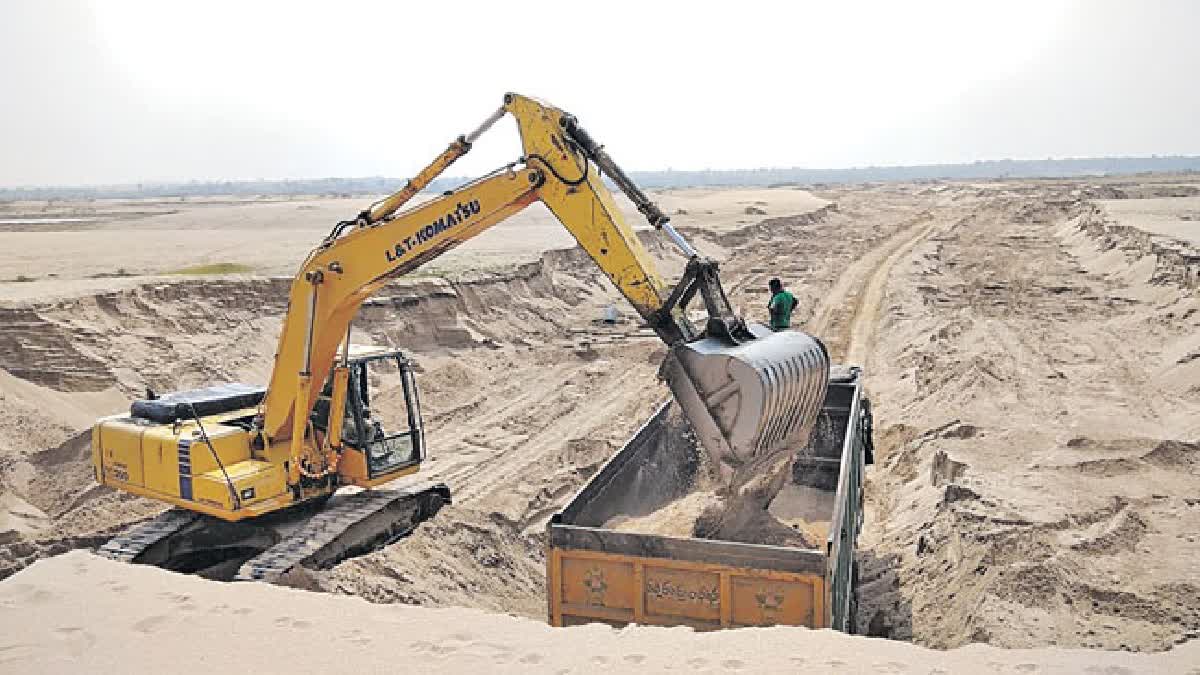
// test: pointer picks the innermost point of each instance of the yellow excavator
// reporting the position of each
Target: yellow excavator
(254, 471)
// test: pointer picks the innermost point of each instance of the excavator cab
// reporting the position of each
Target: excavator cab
(381, 418)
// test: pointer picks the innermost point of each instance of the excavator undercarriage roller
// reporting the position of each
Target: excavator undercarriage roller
(310, 536)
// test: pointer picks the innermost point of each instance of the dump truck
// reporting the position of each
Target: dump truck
(600, 573)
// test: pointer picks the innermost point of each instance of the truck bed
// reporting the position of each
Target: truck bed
(599, 573)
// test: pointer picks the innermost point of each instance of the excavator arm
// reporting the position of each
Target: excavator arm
(382, 243)
(338, 277)
(564, 168)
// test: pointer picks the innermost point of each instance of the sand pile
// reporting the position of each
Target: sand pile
(20, 518)
(79, 613)
(702, 513)
(676, 519)
(743, 514)
(709, 508)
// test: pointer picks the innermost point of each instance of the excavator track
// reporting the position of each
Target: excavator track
(348, 525)
(127, 546)
(356, 524)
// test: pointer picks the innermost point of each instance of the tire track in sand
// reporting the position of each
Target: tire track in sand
(860, 290)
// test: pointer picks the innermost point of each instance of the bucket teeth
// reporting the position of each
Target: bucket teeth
(749, 400)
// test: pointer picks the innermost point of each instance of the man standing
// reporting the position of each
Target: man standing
(780, 306)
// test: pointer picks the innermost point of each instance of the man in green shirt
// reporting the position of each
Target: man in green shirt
(780, 306)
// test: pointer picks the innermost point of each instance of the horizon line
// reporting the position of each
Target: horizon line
(160, 183)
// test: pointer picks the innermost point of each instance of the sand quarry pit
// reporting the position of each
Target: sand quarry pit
(1031, 350)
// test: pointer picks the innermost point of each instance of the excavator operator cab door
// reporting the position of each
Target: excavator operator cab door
(383, 413)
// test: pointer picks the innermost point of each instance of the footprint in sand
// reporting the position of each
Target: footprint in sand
(697, 662)
(498, 653)
(421, 646)
(30, 595)
(182, 599)
(289, 622)
(185, 603)
(150, 624)
(76, 640)
(427, 647)
(532, 658)
(16, 653)
(357, 637)
(635, 658)
(733, 664)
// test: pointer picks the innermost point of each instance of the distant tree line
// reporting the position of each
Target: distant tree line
(332, 187)
(1001, 168)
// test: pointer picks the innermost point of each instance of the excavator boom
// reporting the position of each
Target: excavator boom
(759, 395)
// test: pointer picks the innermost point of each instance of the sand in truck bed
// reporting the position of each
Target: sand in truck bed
(742, 511)
(804, 510)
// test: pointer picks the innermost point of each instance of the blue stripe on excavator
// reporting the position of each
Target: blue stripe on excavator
(185, 468)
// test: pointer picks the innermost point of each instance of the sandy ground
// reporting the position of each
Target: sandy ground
(271, 236)
(1171, 217)
(1036, 364)
(1034, 361)
(78, 613)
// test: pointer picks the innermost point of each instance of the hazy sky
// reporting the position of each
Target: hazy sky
(174, 90)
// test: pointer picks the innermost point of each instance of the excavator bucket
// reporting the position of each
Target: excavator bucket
(749, 401)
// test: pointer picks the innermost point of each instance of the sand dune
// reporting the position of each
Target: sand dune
(79, 613)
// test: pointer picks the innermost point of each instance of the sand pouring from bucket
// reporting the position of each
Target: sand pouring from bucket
(746, 391)
(750, 400)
